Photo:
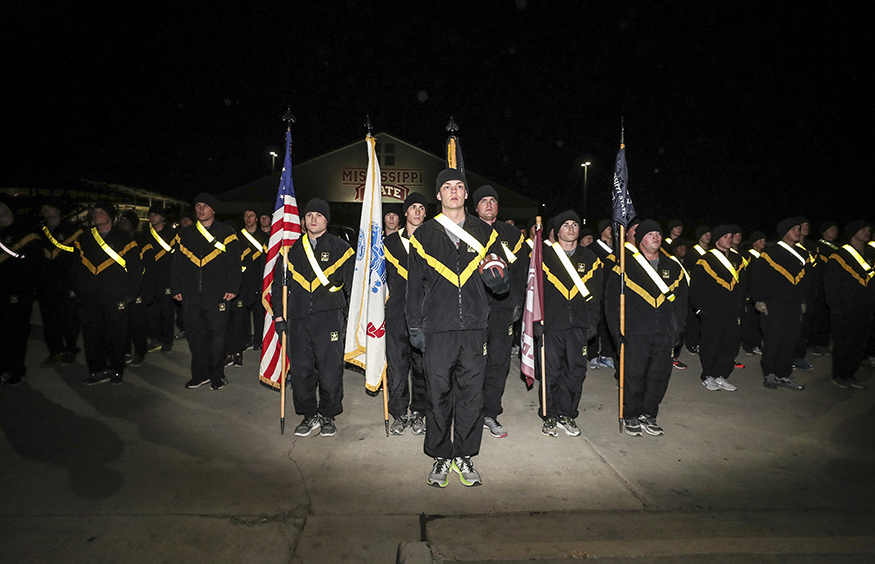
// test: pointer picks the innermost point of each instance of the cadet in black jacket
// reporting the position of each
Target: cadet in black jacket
(138, 321)
(404, 371)
(751, 336)
(779, 288)
(320, 274)
(504, 309)
(204, 276)
(447, 313)
(254, 242)
(19, 262)
(818, 337)
(850, 293)
(160, 309)
(56, 295)
(572, 297)
(655, 300)
(108, 279)
(602, 351)
(692, 333)
(717, 295)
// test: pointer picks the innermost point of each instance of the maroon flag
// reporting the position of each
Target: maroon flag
(534, 312)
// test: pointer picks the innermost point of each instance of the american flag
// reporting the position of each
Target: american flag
(284, 231)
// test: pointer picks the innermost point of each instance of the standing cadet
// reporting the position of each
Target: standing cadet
(572, 298)
(204, 277)
(503, 311)
(108, 279)
(675, 228)
(751, 336)
(779, 286)
(692, 337)
(818, 337)
(319, 278)
(807, 248)
(717, 295)
(57, 298)
(601, 349)
(160, 309)
(254, 242)
(138, 322)
(447, 313)
(850, 291)
(19, 262)
(403, 361)
(655, 298)
(391, 219)
(677, 251)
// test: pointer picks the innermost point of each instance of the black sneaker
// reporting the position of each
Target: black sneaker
(192, 384)
(789, 384)
(153, 346)
(307, 425)
(549, 428)
(115, 377)
(166, 348)
(180, 335)
(128, 358)
(137, 360)
(841, 383)
(69, 358)
(97, 378)
(649, 425)
(856, 384)
(417, 423)
(217, 387)
(12, 380)
(229, 360)
(633, 427)
(569, 425)
(329, 429)
(53, 359)
(693, 350)
(770, 381)
(676, 363)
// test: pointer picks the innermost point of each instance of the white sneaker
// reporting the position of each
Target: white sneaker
(724, 385)
(711, 384)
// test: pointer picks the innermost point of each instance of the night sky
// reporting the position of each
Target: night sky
(743, 112)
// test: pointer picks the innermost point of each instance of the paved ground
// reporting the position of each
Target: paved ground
(152, 472)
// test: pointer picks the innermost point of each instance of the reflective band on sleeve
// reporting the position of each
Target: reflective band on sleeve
(684, 270)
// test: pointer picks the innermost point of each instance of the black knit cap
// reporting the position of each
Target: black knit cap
(853, 227)
(734, 228)
(756, 236)
(208, 199)
(645, 227)
(319, 205)
(701, 230)
(604, 224)
(720, 231)
(786, 225)
(448, 174)
(484, 191)
(107, 207)
(563, 217)
(392, 208)
(158, 209)
(826, 225)
(678, 242)
(547, 229)
(584, 232)
(132, 218)
(675, 223)
(54, 202)
(414, 198)
(635, 221)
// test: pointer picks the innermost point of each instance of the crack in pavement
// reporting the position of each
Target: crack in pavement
(619, 477)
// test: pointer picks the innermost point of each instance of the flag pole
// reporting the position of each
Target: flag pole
(538, 227)
(622, 252)
(385, 403)
(285, 251)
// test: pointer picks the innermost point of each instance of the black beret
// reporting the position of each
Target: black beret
(786, 225)
(208, 199)
(675, 223)
(756, 236)
(414, 198)
(701, 230)
(107, 207)
(484, 191)
(158, 209)
(448, 174)
(604, 224)
(565, 216)
(586, 231)
(678, 242)
(131, 216)
(645, 227)
(853, 227)
(318, 205)
(392, 208)
(720, 231)
(826, 225)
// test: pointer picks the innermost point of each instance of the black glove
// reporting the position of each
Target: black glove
(517, 313)
(417, 338)
(620, 339)
(538, 330)
(282, 326)
(497, 284)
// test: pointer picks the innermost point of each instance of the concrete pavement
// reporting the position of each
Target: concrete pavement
(152, 472)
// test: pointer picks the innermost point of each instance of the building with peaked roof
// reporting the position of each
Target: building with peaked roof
(339, 178)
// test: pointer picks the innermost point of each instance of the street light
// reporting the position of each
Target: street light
(273, 157)
(585, 169)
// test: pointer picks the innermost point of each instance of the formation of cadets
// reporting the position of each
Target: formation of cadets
(456, 295)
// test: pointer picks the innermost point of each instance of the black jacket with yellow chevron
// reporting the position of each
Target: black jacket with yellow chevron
(397, 254)
(60, 257)
(201, 268)
(713, 288)
(161, 260)
(98, 273)
(564, 306)
(18, 274)
(445, 291)
(512, 239)
(252, 257)
(648, 310)
(779, 276)
(306, 292)
(848, 285)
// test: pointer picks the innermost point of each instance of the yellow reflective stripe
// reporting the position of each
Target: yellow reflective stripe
(440, 268)
(566, 263)
(530, 243)
(725, 261)
(519, 244)
(395, 262)
(160, 241)
(728, 285)
(108, 250)
(684, 270)
(754, 253)
(699, 249)
(254, 242)
(850, 269)
(308, 250)
(210, 239)
(642, 261)
(462, 234)
(55, 242)
(783, 271)
(792, 251)
(511, 258)
(406, 242)
(863, 264)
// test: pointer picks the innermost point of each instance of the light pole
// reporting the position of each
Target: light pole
(585, 169)
(273, 157)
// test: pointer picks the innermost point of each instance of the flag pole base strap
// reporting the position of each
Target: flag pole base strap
(282, 425)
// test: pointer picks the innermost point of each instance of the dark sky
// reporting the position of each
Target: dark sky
(732, 111)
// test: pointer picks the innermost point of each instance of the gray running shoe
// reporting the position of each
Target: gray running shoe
(594, 364)
(568, 423)
(789, 384)
(495, 428)
(770, 381)
(398, 426)
(307, 425)
(98, 378)
(633, 427)
(329, 429)
(440, 473)
(711, 384)
(856, 384)
(649, 425)
(549, 428)
(467, 474)
(724, 385)
(417, 423)
(606, 362)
